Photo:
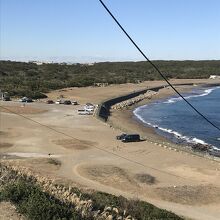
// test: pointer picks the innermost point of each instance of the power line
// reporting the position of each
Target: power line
(156, 68)
(99, 148)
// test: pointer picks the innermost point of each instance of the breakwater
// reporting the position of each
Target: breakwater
(103, 109)
(135, 100)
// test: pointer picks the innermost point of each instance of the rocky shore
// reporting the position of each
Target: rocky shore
(135, 100)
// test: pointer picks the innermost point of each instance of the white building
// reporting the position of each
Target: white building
(214, 77)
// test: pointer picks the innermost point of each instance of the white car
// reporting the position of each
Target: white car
(89, 109)
(74, 103)
(59, 101)
(25, 99)
(84, 112)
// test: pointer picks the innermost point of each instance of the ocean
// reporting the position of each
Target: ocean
(175, 120)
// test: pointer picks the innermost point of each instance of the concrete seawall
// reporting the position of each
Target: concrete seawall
(103, 110)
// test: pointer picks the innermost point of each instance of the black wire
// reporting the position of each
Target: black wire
(156, 68)
(99, 148)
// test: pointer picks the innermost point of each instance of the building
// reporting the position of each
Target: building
(214, 77)
(5, 96)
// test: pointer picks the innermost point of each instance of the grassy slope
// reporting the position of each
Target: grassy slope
(32, 202)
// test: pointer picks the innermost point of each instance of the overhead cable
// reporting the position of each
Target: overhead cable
(157, 69)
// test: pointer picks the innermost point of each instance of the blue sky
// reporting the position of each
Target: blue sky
(81, 31)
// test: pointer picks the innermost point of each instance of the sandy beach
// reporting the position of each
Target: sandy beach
(92, 158)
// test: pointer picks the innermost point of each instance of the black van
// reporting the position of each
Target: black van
(131, 138)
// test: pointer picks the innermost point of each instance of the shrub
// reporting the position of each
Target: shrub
(35, 204)
(139, 209)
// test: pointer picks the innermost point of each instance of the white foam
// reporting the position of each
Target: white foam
(177, 135)
(215, 148)
(192, 140)
(136, 111)
(196, 140)
(205, 93)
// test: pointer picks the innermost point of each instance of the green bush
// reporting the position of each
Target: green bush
(139, 209)
(35, 204)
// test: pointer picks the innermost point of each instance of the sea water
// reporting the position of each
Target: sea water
(175, 120)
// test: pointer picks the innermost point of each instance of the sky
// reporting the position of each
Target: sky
(82, 31)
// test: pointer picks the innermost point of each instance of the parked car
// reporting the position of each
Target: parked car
(120, 137)
(67, 102)
(59, 101)
(50, 101)
(26, 99)
(131, 138)
(6, 98)
(84, 112)
(74, 103)
(89, 107)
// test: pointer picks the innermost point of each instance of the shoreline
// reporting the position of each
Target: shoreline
(131, 122)
(176, 136)
(126, 121)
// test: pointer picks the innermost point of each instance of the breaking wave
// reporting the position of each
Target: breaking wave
(205, 93)
(177, 135)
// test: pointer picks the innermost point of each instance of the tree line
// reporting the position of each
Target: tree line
(30, 79)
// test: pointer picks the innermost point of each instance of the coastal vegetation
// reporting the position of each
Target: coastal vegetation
(34, 203)
(38, 197)
(30, 79)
